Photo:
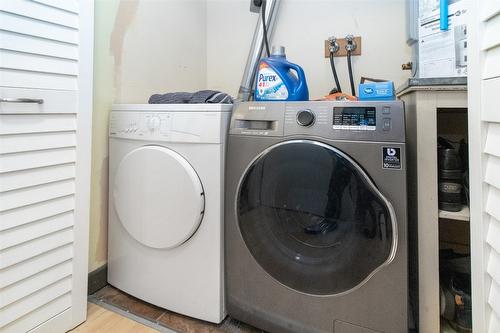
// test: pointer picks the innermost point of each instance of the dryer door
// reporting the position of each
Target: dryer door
(312, 218)
(158, 197)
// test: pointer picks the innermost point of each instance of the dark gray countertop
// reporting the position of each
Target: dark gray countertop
(429, 82)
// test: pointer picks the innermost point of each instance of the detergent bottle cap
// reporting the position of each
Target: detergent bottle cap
(278, 51)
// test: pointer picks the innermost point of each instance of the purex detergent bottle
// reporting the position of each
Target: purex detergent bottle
(280, 80)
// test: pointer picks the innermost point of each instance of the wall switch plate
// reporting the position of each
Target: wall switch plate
(342, 51)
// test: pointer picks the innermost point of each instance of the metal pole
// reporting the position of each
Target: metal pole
(248, 79)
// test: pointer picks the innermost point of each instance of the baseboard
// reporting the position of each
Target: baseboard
(98, 279)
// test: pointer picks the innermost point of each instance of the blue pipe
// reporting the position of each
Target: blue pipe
(443, 15)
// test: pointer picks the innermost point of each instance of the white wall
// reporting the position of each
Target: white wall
(141, 47)
(230, 27)
(302, 26)
(164, 50)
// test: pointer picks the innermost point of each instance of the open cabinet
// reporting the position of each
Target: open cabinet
(483, 122)
(454, 220)
(432, 111)
(45, 137)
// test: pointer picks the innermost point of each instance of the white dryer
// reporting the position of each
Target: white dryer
(166, 172)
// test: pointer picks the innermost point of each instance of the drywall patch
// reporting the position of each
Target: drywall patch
(127, 11)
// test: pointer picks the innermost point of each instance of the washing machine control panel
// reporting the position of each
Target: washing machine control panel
(305, 117)
(360, 120)
(343, 120)
(355, 118)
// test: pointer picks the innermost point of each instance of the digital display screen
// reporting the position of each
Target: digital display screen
(357, 118)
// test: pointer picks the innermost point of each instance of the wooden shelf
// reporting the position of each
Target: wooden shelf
(462, 215)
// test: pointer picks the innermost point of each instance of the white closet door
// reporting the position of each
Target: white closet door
(45, 127)
(484, 141)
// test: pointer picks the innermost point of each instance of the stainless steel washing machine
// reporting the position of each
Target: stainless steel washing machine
(315, 217)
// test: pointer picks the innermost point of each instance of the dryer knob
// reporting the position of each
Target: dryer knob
(154, 123)
(305, 117)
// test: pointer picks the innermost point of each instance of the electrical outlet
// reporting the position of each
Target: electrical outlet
(342, 51)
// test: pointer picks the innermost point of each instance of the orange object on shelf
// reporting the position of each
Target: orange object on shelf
(338, 96)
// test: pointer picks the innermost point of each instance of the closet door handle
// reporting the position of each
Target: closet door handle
(21, 100)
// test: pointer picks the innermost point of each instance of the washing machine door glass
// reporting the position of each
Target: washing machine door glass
(313, 219)
(158, 197)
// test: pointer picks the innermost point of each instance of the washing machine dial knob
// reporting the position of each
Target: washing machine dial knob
(154, 123)
(305, 117)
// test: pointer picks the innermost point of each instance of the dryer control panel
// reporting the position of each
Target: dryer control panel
(133, 125)
(190, 127)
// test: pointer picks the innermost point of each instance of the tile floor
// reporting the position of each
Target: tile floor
(104, 321)
(172, 320)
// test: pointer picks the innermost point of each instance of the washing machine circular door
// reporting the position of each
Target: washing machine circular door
(313, 219)
(158, 197)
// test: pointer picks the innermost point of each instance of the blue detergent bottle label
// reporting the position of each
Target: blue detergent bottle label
(280, 80)
(269, 84)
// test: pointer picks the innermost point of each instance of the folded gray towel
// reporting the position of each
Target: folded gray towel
(202, 96)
